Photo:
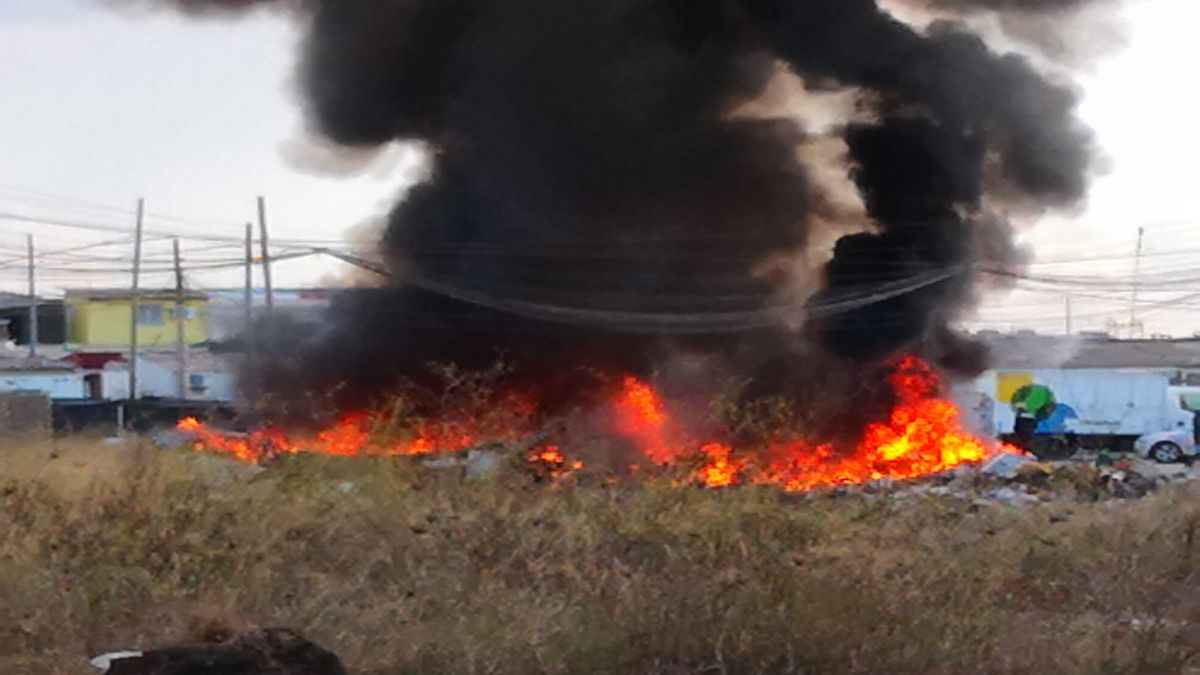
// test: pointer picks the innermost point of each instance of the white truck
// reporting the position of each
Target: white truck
(1179, 444)
(1067, 409)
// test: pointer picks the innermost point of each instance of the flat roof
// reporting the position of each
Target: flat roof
(1028, 351)
(125, 294)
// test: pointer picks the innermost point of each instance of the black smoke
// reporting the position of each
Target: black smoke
(593, 199)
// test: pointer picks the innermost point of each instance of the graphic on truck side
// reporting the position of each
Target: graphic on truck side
(1038, 401)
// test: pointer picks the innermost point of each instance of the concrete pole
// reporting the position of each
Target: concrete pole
(135, 299)
(180, 325)
(33, 303)
(264, 241)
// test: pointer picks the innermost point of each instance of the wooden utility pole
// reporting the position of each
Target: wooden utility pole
(180, 325)
(33, 303)
(1137, 271)
(135, 299)
(266, 252)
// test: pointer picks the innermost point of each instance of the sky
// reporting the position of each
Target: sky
(99, 107)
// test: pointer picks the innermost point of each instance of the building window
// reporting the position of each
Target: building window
(185, 312)
(150, 315)
(197, 382)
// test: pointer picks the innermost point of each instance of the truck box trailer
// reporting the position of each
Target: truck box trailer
(1086, 407)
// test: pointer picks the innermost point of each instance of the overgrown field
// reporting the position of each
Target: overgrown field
(404, 570)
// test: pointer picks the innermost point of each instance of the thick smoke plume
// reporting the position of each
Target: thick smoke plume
(592, 201)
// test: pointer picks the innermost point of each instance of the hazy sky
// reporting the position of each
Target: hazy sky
(99, 107)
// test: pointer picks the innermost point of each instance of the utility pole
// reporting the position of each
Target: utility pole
(33, 303)
(135, 299)
(1137, 268)
(1068, 313)
(180, 325)
(266, 252)
(248, 292)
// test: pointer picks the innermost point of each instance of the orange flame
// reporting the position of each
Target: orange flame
(553, 461)
(922, 435)
(641, 417)
(351, 436)
(719, 469)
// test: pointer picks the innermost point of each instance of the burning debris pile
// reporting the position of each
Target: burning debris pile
(922, 436)
(598, 198)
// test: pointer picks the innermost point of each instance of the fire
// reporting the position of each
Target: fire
(720, 469)
(922, 435)
(352, 435)
(551, 459)
(641, 417)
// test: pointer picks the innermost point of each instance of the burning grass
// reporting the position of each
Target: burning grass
(404, 570)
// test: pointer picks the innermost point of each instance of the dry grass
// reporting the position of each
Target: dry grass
(404, 571)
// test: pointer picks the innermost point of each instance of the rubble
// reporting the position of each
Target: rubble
(1005, 465)
(1022, 481)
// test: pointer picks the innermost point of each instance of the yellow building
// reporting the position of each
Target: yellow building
(101, 317)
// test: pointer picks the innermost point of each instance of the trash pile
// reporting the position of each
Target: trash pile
(1006, 478)
(1024, 481)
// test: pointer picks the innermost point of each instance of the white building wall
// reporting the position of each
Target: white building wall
(157, 380)
(56, 385)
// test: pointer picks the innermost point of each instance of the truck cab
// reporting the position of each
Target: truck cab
(1179, 443)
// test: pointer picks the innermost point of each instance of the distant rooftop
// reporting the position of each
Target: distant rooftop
(17, 301)
(1092, 350)
(10, 363)
(125, 294)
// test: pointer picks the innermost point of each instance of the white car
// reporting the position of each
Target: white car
(1167, 447)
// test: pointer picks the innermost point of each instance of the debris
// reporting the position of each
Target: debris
(1005, 495)
(105, 661)
(273, 651)
(1005, 465)
(483, 464)
(1127, 484)
(442, 463)
(170, 439)
(1034, 473)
